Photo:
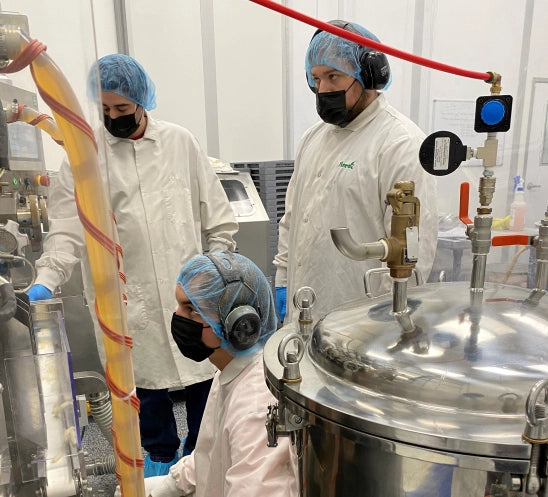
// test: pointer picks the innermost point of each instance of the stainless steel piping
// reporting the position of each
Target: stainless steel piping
(357, 251)
(399, 305)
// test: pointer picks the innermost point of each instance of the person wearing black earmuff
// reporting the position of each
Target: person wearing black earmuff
(226, 313)
(344, 166)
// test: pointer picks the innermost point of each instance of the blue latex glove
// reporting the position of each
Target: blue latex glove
(39, 292)
(281, 301)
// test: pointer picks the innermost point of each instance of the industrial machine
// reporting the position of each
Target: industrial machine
(42, 440)
(39, 428)
(42, 396)
(253, 221)
(437, 391)
(23, 177)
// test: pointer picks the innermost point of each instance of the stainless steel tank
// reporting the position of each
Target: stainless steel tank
(435, 413)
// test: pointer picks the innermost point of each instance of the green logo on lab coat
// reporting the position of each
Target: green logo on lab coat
(346, 165)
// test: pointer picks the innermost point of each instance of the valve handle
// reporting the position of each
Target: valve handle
(502, 240)
(464, 201)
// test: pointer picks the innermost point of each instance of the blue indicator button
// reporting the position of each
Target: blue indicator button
(493, 112)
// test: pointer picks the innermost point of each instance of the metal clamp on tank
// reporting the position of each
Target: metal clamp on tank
(303, 300)
(536, 433)
(290, 422)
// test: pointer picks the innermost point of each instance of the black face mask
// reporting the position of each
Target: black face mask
(188, 337)
(123, 126)
(331, 107)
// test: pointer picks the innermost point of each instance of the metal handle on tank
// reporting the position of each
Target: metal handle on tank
(290, 360)
(304, 300)
(537, 428)
(384, 270)
(536, 434)
(297, 300)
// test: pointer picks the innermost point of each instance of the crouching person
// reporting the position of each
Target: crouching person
(226, 313)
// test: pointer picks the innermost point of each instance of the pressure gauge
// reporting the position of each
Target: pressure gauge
(8, 242)
(442, 152)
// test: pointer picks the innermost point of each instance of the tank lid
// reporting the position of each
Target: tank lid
(459, 382)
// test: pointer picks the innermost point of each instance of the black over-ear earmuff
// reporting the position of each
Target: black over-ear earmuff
(374, 66)
(241, 321)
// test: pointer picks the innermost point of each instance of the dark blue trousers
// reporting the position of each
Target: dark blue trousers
(157, 421)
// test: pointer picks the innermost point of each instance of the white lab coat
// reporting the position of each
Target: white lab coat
(341, 178)
(231, 458)
(164, 194)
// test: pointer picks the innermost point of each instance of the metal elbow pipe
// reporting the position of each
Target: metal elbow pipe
(357, 251)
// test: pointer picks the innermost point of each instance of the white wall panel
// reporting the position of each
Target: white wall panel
(165, 38)
(249, 86)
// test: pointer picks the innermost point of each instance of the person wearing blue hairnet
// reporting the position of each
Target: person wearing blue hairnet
(226, 313)
(344, 166)
(165, 197)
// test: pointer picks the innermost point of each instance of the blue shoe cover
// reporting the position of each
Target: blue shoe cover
(154, 468)
(186, 450)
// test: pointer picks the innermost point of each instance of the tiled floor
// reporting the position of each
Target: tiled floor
(96, 446)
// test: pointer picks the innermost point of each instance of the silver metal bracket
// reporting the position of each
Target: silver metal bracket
(274, 429)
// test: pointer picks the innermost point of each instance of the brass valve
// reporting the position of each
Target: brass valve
(403, 241)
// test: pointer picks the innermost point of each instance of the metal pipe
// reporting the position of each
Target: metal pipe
(477, 281)
(399, 297)
(541, 278)
(357, 251)
(399, 305)
(542, 255)
(101, 409)
(542, 275)
(101, 466)
(405, 321)
(480, 233)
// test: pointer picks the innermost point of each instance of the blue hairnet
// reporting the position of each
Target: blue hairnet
(204, 286)
(123, 75)
(326, 49)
